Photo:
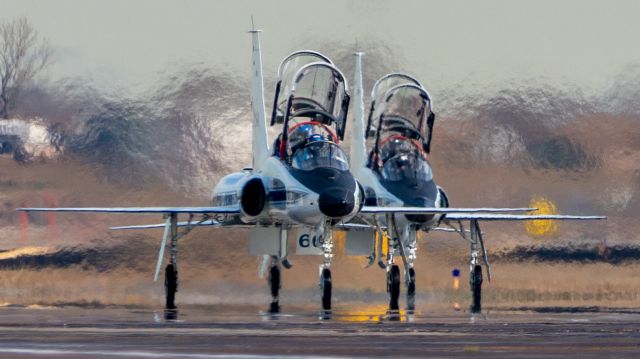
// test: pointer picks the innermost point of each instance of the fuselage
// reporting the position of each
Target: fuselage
(401, 192)
(294, 196)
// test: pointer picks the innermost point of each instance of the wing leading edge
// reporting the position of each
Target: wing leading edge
(437, 210)
(517, 217)
(484, 214)
(165, 210)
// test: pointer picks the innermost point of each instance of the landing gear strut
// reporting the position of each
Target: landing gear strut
(475, 278)
(475, 268)
(404, 243)
(324, 282)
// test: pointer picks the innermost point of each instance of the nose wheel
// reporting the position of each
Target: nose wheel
(393, 286)
(325, 287)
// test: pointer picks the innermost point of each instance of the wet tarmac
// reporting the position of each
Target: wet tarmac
(72, 332)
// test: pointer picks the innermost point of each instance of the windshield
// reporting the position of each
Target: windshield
(320, 154)
(396, 145)
(406, 166)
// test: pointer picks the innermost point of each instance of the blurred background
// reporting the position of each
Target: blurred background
(147, 103)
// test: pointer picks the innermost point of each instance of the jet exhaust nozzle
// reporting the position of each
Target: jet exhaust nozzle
(253, 198)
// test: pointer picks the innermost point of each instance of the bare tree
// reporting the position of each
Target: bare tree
(23, 54)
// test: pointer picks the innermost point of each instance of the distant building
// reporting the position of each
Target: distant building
(27, 140)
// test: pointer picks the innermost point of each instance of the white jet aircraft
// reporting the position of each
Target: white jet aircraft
(304, 182)
(398, 179)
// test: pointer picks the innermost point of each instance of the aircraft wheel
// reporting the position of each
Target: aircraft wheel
(326, 286)
(411, 290)
(274, 285)
(393, 287)
(170, 286)
(476, 289)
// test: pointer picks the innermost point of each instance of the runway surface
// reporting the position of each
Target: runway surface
(245, 332)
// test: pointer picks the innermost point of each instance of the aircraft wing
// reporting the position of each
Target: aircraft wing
(141, 210)
(437, 210)
(483, 214)
(517, 217)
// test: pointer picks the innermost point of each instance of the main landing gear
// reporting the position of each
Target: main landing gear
(170, 286)
(274, 286)
(476, 289)
(274, 279)
(171, 270)
(403, 243)
(475, 268)
(411, 289)
(276, 261)
(393, 287)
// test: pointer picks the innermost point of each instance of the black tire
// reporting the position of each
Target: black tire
(170, 286)
(411, 290)
(476, 289)
(274, 286)
(393, 287)
(326, 289)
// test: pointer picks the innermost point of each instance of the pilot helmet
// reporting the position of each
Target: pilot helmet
(396, 146)
(316, 137)
(299, 136)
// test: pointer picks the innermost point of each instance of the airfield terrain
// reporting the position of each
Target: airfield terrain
(221, 332)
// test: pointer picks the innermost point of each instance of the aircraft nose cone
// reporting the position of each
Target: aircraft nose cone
(336, 202)
(420, 202)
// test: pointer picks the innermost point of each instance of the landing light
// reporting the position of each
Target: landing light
(540, 228)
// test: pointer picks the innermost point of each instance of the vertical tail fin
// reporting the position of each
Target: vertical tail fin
(358, 147)
(260, 146)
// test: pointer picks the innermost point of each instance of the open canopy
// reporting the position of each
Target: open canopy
(405, 108)
(310, 86)
(311, 99)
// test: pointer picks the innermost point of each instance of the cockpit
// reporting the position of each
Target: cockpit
(311, 103)
(403, 160)
(320, 154)
(399, 129)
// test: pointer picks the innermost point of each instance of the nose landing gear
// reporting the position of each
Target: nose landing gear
(325, 282)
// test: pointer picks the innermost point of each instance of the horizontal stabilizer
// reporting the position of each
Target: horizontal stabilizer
(437, 210)
(165, 210)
